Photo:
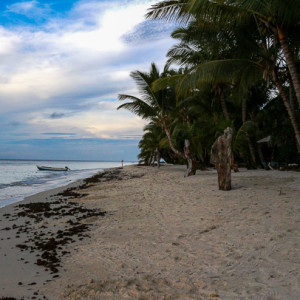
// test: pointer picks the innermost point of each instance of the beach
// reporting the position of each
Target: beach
(147, 233)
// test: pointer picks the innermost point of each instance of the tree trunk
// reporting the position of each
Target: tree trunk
(191, 161)
(191, 169)
(289, 110)
(261, 157)
(165, 127)
(158, 158)
(221, 157)
(223, 103)
(252, 151)
(153, 160)
(234, 166)
(290, 62)
(244, 119)
(292, 98)
(244, 110)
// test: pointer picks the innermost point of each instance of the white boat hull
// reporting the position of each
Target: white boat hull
(44, 168)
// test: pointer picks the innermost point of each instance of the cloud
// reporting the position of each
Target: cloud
(30, 9)
(71, 149)
(65, 74)
(100, 121)
(78, 60)
(56, 115)
(148, 30)
(59, 133)
(14, 124)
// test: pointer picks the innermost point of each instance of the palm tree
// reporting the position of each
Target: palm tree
(150, 144)
(155, 106)
(262, 48)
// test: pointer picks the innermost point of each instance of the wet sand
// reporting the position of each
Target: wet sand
(148, 233)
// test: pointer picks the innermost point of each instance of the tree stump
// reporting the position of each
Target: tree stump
(221, 154)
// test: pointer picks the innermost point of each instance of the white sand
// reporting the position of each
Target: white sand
(170, 237)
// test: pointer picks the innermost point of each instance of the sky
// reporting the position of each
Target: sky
(62, 65)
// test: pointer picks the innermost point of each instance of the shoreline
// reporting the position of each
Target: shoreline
(146, 232)
(46, 189)
(25, 219)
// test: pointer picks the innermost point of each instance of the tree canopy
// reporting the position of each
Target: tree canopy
(235, 63)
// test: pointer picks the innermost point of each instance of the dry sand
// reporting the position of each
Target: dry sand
(168, 237)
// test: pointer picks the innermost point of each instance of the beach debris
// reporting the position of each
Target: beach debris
(221, 155)
(51, 244)
(209, 229)
(50, 226)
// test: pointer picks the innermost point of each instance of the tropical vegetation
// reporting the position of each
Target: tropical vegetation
(235, 63)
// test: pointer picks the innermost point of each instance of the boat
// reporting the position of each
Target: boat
(44, 168)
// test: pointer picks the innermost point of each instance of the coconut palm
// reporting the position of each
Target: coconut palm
(155, 106)
(262, 55)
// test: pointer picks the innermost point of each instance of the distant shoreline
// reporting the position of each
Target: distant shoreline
(37, 270)
(50, 192)
(72, 160)
(23, 179)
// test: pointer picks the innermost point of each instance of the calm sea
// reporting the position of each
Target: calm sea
(21, 178)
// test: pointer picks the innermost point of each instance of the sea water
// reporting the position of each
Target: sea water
(21, 178)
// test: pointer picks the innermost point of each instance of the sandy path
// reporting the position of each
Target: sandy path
(170, 237)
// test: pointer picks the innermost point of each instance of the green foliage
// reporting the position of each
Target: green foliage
(231, 64)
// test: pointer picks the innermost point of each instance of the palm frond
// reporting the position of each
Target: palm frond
(229, 70)
(138, 107)
(143, 82)
(165, 82)
(170, 10)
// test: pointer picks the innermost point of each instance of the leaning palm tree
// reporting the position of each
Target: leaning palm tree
(154, 106)
(151, 105)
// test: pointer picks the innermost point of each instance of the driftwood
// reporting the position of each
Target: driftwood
(221, 155)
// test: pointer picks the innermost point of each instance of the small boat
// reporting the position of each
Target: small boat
(43, 168)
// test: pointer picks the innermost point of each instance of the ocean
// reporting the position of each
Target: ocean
(21, 178)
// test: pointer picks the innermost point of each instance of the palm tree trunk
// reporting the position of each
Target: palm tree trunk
(244, 118)
(223, 103)
(289, 109)
(191, 161)
(191, 168)
(158, 158)
(261, 157)
(165, 127)
(244, 110)
(290, 62)
(291, 92)
(252, 151)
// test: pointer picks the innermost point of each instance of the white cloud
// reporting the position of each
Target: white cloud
(30, 9)
(102, 121)
(75, 64)
(22, 7)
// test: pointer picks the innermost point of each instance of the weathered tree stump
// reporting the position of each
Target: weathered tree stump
(221, 154)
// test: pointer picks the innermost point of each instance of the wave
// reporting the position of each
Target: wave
(16, 191)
